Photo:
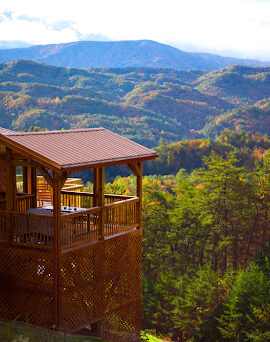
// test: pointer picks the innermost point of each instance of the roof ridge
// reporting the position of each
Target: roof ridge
(55, 132)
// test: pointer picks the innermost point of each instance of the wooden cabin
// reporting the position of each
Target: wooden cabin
(75, 263)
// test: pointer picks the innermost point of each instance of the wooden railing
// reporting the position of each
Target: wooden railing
(80, 227)
(25, 202)
(32, 230)
(85, 199)
(77, 199)
(121, 216)
(36, 230)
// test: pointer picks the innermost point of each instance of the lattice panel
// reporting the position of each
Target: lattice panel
(102, 280)
(123, 325)
(26, 286)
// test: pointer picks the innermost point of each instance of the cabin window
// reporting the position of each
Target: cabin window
(19, 178)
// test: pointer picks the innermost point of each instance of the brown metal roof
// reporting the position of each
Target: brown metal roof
(76, 149)
(5, 131)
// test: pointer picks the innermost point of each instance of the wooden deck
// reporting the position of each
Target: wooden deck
(22, 228)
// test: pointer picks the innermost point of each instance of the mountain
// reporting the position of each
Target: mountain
(143, 104)
(137, 53)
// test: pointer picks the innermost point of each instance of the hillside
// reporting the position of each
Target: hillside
(248, 118)
(136, 53)
(236, 84)
(143, 104)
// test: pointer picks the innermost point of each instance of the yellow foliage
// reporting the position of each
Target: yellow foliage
(145, 181)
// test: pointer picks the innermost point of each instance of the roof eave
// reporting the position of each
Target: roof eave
(109, 162)
(30, 154)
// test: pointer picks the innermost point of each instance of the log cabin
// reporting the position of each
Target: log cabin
(77, 262)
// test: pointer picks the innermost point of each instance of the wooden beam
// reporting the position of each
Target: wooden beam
(56, 245)
(134, 166)
(46, 175)
(101, 201)
(64, 178)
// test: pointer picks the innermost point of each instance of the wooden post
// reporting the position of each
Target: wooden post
(56, 244)
(25, 185)
(101, 204)
(139, 194)
(29, 187)
(101, 200)
(95, 187)
(11, 192)
(34, 185)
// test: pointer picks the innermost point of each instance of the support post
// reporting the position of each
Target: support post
(34, 185)
(11, 191)
(139, 193)
(57, 180)
(29, 187)
(101, 200)
(25, 187)
(95, 187)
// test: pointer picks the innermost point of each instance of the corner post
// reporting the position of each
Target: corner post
(34, 185)
(57, 181)
(139, 194)
(10, 192)
(101, 200)
(95, 187)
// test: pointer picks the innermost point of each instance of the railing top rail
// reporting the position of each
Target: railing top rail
(68, 216)
(119, 196)
(83, 193)
(24, 196)
(18, 213)
(120, 203)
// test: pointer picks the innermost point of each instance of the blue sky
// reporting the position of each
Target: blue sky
(239, 28)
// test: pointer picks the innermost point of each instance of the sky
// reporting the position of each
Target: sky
(237, 28)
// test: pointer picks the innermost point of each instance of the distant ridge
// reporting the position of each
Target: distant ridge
(118, 54)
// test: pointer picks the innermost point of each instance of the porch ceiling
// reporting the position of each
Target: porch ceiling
(76, 149)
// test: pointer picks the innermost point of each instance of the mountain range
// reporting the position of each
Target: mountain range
(118, 54)
(143, 104)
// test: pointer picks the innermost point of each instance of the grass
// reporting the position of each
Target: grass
(153, 338)
(12, 331)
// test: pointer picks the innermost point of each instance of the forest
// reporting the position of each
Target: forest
(206, 259)
(143, 104)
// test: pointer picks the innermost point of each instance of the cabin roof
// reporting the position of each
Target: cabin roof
(76, 149)
(5, 131)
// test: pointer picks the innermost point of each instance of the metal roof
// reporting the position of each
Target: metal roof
(76, 149)
(5, 131)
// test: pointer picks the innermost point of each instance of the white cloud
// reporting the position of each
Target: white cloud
(239, 27)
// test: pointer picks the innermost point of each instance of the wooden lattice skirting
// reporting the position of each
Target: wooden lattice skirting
(98, 282)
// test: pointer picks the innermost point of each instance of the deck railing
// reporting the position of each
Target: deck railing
(80, 227)
(25, 202)
(85, 199)
(121, 216)
(36, 230)
(32, 230)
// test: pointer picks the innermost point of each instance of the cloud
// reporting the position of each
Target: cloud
(241, 27)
